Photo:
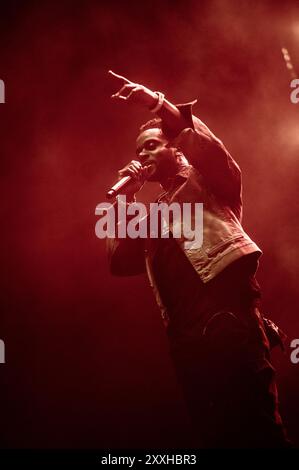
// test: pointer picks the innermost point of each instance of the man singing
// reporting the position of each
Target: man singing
(208, 296)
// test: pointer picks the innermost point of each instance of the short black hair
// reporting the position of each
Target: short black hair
(157, 123)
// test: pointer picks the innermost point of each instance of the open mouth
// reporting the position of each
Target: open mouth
(150, 168)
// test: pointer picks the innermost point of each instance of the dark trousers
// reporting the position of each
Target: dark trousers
(221, 357)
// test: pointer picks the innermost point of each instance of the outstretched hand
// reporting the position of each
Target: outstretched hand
(133, 92)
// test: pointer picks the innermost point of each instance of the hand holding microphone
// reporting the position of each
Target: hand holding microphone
(131, 179)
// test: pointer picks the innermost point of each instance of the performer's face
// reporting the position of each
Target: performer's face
(153, 148)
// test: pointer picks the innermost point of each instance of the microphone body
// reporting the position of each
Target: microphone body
(120, 186)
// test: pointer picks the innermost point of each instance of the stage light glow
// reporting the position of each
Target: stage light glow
(295, 30)
(288, 62)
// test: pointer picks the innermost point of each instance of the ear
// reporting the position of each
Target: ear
(170, 145)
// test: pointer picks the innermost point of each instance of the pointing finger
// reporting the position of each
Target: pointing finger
(120, 77)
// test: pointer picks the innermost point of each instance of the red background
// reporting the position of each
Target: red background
(86, 354)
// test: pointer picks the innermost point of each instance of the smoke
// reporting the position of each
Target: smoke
(62, 142)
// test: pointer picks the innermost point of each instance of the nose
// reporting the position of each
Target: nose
(142, 156)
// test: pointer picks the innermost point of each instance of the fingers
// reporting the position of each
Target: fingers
(120, 94)
(120, 77)
(120, 97)
(127, 87)
(134, 168)
(131, 92)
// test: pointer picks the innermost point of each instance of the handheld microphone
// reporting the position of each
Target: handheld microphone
(122, 185)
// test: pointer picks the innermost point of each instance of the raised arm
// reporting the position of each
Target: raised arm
(200, 146)
(141, 95)
(209, 156)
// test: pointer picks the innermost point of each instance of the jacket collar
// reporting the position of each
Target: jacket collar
(178, 179)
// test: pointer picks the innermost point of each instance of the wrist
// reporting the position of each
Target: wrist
(158, 103)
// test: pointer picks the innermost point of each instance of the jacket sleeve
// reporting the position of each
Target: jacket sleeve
(125, 255)
(208, 155)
